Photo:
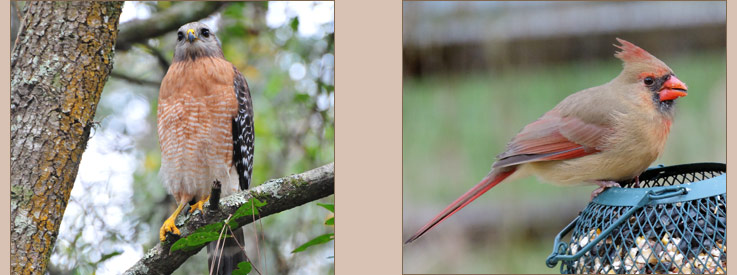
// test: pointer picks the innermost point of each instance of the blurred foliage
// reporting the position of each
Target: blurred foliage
(291, 79)
(455, 125)
(324, 238)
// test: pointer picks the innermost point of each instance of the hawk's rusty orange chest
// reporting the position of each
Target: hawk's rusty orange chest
(197, 104)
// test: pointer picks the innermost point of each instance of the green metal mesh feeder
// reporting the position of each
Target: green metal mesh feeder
(674, 222)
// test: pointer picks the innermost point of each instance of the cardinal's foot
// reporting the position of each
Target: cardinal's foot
(198, 205)
(637, 182)
(168, 226)
(603, 185)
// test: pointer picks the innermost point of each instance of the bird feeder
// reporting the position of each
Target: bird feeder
(674, 221)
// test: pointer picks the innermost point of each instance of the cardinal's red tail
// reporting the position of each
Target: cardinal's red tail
(487, 183)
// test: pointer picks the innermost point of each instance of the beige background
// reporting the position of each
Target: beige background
(368, 134)
(368, 125)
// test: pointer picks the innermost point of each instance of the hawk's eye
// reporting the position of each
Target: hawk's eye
(180, 36)
(649, 81)
(205, 32)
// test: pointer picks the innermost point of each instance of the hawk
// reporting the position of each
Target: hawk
(205, 127)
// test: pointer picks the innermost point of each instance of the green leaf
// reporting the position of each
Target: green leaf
(318, 240)
(215, 227)
(295, 23)
(257, 202)
(196, 240)
(232, 224)
(247, 210)
(330, 221)
(243, 268)
(105, 257)
(328, 206)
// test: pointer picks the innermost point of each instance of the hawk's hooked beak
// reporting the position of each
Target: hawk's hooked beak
(191, 36)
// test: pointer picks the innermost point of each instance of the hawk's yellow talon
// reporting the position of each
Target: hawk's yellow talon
(169, 225)
(198, 205)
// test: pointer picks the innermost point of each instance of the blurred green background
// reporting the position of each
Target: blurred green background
(463, 101)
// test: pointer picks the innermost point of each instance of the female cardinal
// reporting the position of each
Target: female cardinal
(600, 135)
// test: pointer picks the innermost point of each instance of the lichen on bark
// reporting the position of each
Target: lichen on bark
(59, 66)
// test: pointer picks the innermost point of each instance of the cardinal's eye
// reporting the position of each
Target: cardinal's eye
(649, 81)
(205, 32)
(180, 36)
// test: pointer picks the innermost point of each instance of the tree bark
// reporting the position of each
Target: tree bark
(279, 195)
(58, 69)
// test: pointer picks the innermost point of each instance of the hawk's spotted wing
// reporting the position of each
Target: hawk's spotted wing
(243, 135)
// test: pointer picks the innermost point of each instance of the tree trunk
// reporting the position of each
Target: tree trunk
(58, 69)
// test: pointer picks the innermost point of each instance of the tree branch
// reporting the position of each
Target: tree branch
(163, 63)
(279, 195)
(135, 80)
(137, 31)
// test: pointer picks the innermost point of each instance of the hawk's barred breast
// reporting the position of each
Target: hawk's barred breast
(197, 104)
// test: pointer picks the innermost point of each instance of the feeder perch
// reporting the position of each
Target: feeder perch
(673, 223)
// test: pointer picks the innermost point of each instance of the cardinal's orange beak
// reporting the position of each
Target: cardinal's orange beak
(672, 88)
